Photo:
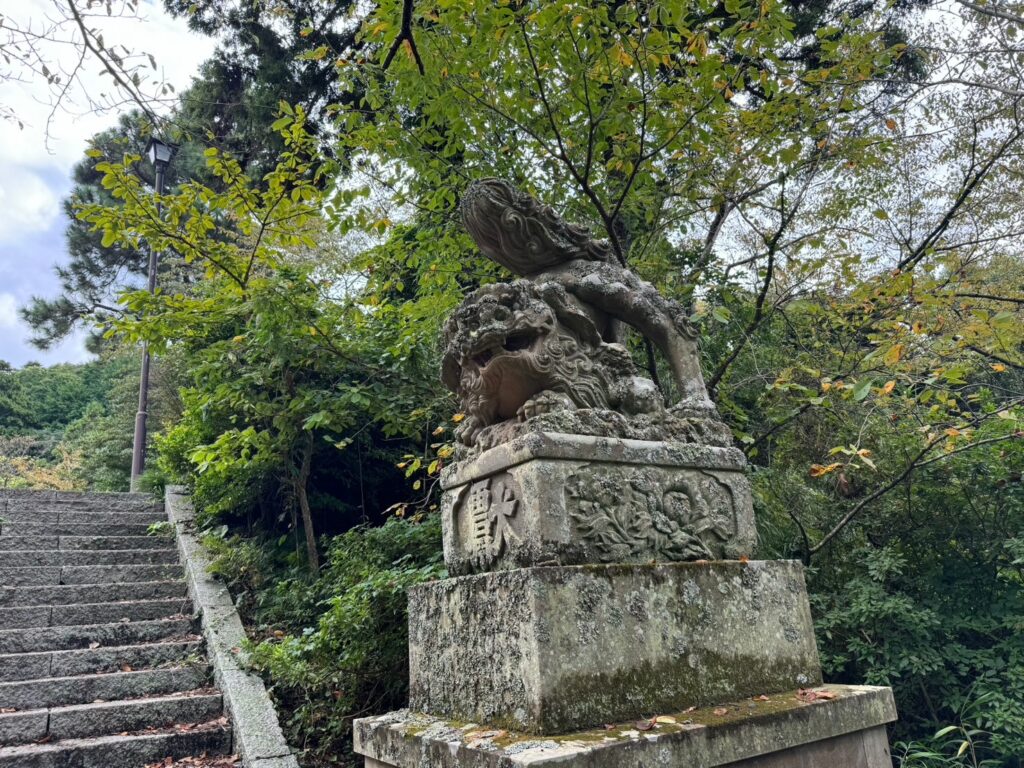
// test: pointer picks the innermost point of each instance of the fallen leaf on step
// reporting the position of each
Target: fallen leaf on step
(93, 646)
(722, 711)
(644, 725)
(665, 719)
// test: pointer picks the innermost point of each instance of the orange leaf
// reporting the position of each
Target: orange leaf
(818, 470)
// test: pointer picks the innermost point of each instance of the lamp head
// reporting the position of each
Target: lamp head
(159, 153)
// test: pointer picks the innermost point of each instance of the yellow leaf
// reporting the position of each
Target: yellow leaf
(893, 355)
(665, 720)
(952, 432)
(238, 339)
(888, 388)
(458, 417)
(438, 431)
(890, 124)
(998, 367)
(863, 453)
(917, 327)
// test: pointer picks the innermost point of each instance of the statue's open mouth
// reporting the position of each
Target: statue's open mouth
(515, 342)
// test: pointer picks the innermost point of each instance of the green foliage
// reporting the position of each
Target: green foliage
(352, 657)
(72, 425)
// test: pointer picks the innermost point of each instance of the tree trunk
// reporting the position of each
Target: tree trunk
(300, 494)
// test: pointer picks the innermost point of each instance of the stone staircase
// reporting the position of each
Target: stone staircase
(100, 663)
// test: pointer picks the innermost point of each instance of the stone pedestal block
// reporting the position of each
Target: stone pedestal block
(551, 649)
(558, 499)
(832, 727)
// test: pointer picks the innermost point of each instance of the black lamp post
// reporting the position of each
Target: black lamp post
(160, 155)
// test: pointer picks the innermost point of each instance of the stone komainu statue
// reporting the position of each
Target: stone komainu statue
(545, 352)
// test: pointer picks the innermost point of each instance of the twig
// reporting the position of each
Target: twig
(405, 35)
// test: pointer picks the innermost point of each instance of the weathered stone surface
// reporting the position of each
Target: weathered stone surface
(22, 727)
(258, 738)
(557, 499)
(73, 594)
(100, 719)
(30, 666)
(103, 574)
(862, 749)
(747, 730)
(552, 343)
(69, 638)
(547, 650)
(62, 691)
(33, 557)
(98, 664)
(118, 751)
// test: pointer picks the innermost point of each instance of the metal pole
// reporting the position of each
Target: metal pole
(139, 443)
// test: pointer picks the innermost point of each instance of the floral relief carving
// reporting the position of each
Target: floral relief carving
(637, 515)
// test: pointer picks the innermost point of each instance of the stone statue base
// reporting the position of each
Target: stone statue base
(840, 726)
(550, 650)
(549, 498)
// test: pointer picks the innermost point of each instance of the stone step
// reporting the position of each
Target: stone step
(74, 637)
(91, 720)
(34, 557)
(92, 503)
(163, 541)
(40, 576)
(75, 543)
(71, 594)
(83, 689)
(51, 517)
(72, 529)
(125, 658)
(212, 738)
(22, 543)
(93, 613)
(72, 497)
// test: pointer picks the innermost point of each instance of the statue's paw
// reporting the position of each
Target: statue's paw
(466, 433)
(641, 395)
(545, 402)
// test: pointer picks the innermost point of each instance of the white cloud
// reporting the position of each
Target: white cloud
(27, 204)
(8, 311)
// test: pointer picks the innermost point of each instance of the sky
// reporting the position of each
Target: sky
(35, 164)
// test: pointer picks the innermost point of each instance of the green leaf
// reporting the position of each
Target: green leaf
(862, 388)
